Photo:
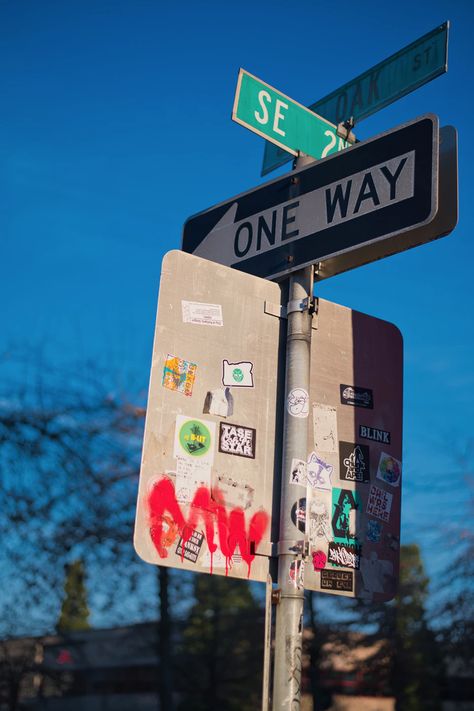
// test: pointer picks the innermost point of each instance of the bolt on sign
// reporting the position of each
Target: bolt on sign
(207, 472)
(354, 464)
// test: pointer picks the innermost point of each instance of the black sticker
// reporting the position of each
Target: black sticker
(298, 514)
(191, 547)
(374, 434)
(234, 439)
(337, 580)
(358, 397)
(354, 462)
(344, 555)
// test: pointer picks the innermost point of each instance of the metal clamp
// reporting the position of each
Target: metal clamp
(344, 130)
(297, 305)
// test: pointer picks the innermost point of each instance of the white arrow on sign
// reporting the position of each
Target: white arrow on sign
(374, 188)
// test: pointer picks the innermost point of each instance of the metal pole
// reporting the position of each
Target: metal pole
(291, 546)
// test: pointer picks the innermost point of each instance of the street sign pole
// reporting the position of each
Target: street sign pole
(289, 613)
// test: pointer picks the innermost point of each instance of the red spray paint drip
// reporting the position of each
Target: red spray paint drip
(230, 525)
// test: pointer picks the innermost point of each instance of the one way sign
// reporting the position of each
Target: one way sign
(372, 192)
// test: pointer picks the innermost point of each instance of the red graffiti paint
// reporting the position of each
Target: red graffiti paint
(319, 560)
(205, 511)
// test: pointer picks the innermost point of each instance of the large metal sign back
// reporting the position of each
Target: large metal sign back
(374, 191)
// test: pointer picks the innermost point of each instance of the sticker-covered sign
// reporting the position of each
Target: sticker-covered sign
(354, 468)
(205, 499)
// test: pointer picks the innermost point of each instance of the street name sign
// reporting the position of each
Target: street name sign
(372, 192)
(269, 113)
(421, 61)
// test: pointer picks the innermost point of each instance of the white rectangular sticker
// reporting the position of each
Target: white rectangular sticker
(325, 428)
(202, 314)
(190, 475)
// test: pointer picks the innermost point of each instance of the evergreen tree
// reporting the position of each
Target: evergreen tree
(222, 653)
(74, 610)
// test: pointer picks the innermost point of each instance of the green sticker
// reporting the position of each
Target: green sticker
(238, 375)
(194, 438)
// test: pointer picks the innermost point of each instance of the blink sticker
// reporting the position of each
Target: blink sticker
(374, 531)
(358, 397)
(340, 580)
(191, 548)
(237, 375)
(318, 472)
(379, 503)
(389, 470)
(194, 438)
(297, 403)
(319, 560)
(298, 472)
(179, 375)
(325, 428)
(344, 555)
(298, 515)
(354, 462)
(374, 434)
(346, 511)
(234, 439)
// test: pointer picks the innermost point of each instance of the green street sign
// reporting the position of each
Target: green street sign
(276, 117)
(424, 59)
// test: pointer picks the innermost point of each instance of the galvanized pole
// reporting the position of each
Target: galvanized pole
(291, 546)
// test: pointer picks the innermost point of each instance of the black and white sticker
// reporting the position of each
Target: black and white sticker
(356, 396)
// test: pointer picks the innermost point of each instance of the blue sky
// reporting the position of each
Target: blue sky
(115, 127)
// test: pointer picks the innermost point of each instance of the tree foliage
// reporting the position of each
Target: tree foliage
(74, 609)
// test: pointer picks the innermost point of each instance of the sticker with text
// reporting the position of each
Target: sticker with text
(389, 470)
(192, 547)
(325, 428)
(374, 434)
(202, 314)
(297, 403)
(318, 472)
(347, 556)
(337, 580)
(379, 503)
(298, 472)
(179, 375)
(234, 439)
(194, 438)
(237, 375)
(354, 462)
(357, 397)
(190, 475)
